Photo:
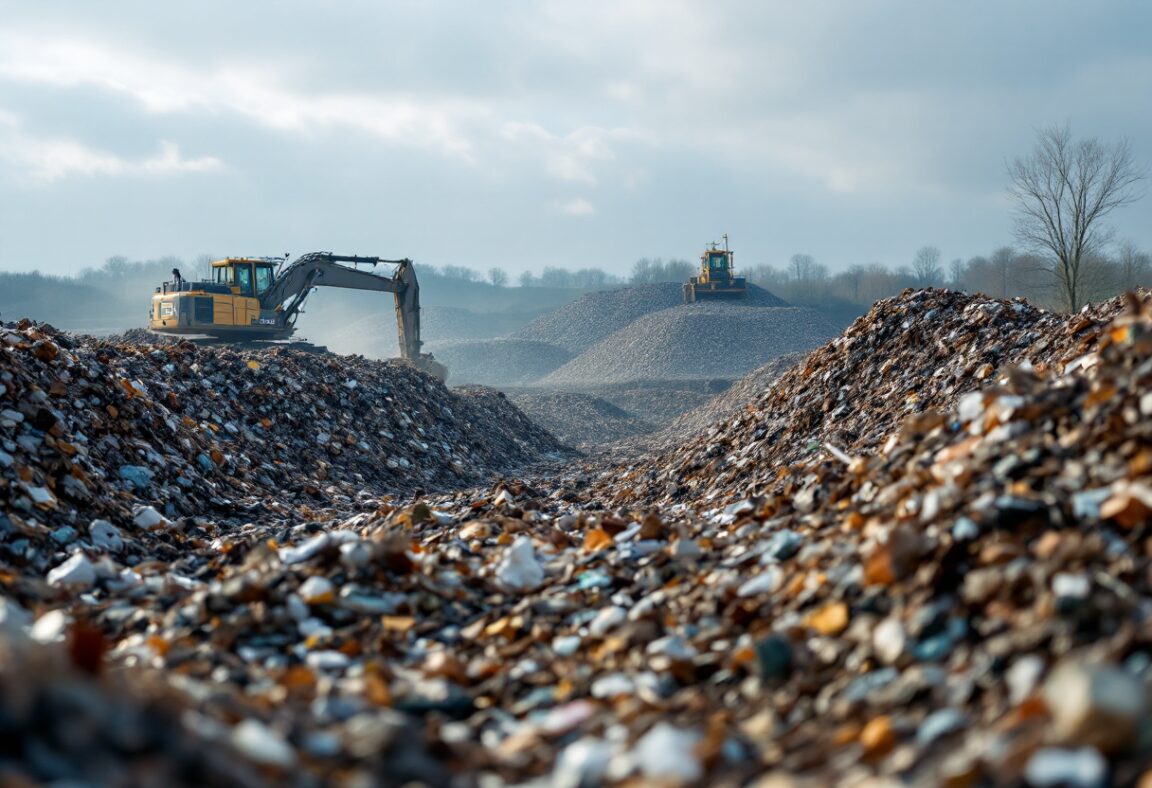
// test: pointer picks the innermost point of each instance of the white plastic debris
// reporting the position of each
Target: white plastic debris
(305, 550)
(106, 536)
(147, 517)
(1023, 677)
(76, 572)
(317, 590)
(667, 753)
(764, 583)
(50, 627)
(257, 741)
(519, 570)
(889, 640)
(583, 762)
(1081, 768)
(606, 620)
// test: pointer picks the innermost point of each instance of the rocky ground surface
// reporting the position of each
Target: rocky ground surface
(921, 556)
(694, 341)
(584, 421)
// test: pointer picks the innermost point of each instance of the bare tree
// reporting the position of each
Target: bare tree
(802, 265)
(1063, 191)
(498, 276)
(926, 266)
(956, 273)
(1002, 261)
(1134, 267)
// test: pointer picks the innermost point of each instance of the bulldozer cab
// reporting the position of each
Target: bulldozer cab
(244, 276)
(716, 265)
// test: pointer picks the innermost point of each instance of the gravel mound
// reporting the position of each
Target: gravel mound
(693, 341)
(375, 335)
(587, 320)
(579, 420)
(497, 362)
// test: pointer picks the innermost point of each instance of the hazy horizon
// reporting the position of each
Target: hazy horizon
(531, 134)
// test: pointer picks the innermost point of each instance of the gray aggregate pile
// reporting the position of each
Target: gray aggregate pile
(498, 362)
(375, 335)
(587, 320)
(581, 420)
(692, 341)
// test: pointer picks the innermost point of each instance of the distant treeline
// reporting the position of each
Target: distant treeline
(1005, 273)
(116, 294)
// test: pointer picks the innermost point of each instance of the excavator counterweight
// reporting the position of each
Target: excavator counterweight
(260, 298)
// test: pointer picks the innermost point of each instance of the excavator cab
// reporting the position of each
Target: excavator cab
(248, 277)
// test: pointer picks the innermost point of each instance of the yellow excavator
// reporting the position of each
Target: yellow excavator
(260, 298)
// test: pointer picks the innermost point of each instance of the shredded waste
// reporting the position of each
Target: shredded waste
(920, 555)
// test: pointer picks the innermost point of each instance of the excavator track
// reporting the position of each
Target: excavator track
(260, 344)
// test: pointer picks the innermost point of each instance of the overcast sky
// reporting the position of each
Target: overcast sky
(521, 133)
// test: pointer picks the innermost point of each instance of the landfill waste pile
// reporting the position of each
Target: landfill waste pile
(959, 595)
(583, 421)
(913, 353)
(506, 362)
(694, 341)
(127, 433)
(582, 323)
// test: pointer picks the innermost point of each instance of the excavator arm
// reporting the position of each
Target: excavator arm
(323, 269)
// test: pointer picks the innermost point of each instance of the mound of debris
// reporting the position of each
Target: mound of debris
(910, 354)
(498, 362)
(582, 323)
(579, 420)
(91, 429)
(694, 341)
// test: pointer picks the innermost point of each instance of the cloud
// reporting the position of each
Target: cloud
(576, 157)
(578, 207)
(261, 93)
(46, 160)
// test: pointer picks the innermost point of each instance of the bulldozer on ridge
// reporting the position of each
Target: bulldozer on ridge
(260, 298)
(717, 278)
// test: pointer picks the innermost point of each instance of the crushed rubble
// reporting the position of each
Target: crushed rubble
(920, 556)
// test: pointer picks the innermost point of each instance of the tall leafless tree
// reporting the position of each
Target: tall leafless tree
(1063, 191)
(926, 266)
